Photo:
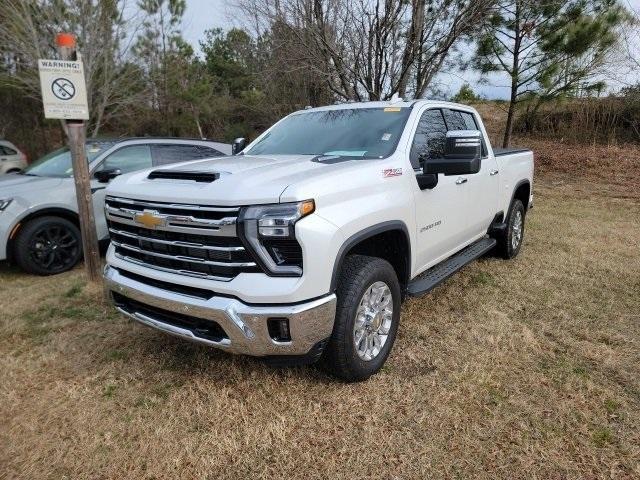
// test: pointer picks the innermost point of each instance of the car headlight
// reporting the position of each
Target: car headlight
(269, 231)
(4, 203)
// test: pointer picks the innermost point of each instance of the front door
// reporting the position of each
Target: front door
(441, 217)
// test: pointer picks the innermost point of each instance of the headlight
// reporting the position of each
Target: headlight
(4, 203)
(269, 230)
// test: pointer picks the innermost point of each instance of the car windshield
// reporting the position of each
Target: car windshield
(355, 132)
(58, 163)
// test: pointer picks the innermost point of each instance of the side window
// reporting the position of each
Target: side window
(208, 152)
(469, 121)
(7, 151)
(471, 124)
(454, 120)
(457, 120)
(167, 154)
(129, 159)
(430, 138)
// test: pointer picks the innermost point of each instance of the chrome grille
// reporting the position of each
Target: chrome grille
(192, 240)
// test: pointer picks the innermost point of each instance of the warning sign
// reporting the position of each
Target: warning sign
(64, 93)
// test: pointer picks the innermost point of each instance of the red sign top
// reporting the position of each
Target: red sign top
(66, 40)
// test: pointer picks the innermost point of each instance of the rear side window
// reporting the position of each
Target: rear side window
(469, 121)
(167, 154)
(7, 151)
(129, 159)
(430, 138)
(457, 120)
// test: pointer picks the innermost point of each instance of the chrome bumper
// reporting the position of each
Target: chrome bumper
(245, 325)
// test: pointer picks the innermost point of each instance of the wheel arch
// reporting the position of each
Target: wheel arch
(522, 192)
(387, 240)
(44, 212)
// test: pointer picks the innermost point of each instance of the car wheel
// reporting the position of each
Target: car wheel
(510, 241)
(48, 245)
(367, 318)
(13, 170)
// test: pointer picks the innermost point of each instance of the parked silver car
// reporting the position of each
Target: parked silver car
(12, 160)
(38, 208)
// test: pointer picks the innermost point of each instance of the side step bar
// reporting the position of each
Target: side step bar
(430, 279)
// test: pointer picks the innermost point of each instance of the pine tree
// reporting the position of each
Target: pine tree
(548, 48)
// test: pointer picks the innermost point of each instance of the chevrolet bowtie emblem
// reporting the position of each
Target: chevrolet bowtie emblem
(150, 219)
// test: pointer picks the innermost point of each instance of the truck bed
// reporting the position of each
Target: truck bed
(501, 152)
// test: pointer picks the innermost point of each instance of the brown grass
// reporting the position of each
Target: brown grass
(520, 369)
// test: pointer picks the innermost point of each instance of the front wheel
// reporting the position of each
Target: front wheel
(48, 245)
(367, 318)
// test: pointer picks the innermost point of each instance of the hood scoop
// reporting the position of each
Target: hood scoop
(195, 176)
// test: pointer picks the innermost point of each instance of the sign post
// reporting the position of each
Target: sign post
(64, 96)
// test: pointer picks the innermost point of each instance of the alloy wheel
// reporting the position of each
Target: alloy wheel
(373, 321)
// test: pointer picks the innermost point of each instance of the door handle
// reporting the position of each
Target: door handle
(461, 180)
(493, 172)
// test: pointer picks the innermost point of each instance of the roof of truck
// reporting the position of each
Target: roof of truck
(383, 104)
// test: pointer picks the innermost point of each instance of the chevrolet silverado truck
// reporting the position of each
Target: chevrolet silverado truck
(302, 246)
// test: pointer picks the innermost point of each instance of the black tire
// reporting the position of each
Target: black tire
(340, 357)
(507, 248)
(48, 245)
(13, 170)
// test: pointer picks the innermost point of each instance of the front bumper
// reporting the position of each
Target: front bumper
(245, 326)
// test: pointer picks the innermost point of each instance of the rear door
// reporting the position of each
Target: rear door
(482, 187)
(440, 211)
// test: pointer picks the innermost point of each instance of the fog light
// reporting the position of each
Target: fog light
(279, 329)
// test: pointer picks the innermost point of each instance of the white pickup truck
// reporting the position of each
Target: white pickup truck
(302, 246)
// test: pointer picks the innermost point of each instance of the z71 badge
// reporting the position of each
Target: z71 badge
(392, 172)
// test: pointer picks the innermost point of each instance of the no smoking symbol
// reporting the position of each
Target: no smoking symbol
(63, 89)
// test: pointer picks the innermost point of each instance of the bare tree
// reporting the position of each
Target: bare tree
(104, 38)
(368, 49)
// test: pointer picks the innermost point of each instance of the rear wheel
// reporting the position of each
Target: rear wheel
(48, 245)
(367, 318)
(510, 241)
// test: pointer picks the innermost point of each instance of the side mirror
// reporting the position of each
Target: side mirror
(462, 154)
(106, 175)
(238, 145)
(427, 181)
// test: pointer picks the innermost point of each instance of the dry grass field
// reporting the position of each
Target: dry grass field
(520, 369)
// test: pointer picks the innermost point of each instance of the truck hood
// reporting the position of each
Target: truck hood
(243, 179)
(22, 185)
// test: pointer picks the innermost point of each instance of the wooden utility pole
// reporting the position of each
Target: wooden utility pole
(76, 137)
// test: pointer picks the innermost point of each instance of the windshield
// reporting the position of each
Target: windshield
(356, 132)
(58, 163)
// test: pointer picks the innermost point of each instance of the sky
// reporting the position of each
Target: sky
(202, 15)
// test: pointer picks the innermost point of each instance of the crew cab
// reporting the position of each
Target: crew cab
(302, 246)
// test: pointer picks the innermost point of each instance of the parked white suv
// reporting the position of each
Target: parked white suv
(303, 246)
(12, 160)
(38, 208)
